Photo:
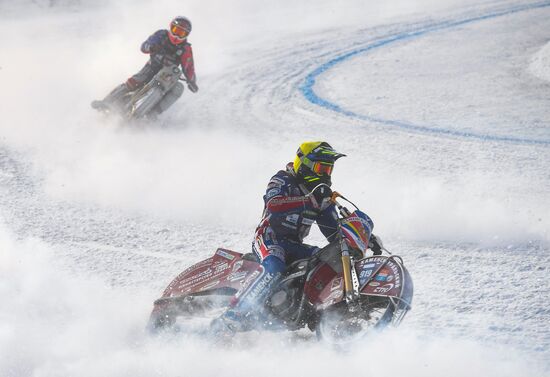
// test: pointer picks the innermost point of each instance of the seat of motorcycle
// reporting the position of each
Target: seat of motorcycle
(299, 264)
(251, 257)
(296, 265)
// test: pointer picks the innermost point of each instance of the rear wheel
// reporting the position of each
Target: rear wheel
(341, 324)
(186, 312)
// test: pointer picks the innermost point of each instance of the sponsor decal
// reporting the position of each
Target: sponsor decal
(260, 286)
(374, 284)
(293, 218)
(352, 218)
(307, 221)
(210, 285)
(365, 274)
(273, 192)
(336, 284)
(394, 273)
(237, 265)
(245, 283)
(200, 276)
(384, 288)
(225, 254)
(196, 279)
(220, 267)
(235, 276)
(378, 259)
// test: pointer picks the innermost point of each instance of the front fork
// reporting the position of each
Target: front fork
(351, 282)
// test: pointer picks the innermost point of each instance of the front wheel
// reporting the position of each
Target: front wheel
(342, 324)
(144, 102)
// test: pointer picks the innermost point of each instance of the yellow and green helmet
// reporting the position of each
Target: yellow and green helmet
(315, 159)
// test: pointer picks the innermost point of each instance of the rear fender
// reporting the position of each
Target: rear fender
(224, 272)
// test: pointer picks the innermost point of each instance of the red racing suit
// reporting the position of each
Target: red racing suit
(162, 50)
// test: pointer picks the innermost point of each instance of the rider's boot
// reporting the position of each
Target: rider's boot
(248, 304)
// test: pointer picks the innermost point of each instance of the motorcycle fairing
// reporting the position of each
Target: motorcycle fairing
(356, 229)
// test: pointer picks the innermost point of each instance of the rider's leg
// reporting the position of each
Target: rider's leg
(144, 75)
(296, 250)
(248, 303)
(133, 83)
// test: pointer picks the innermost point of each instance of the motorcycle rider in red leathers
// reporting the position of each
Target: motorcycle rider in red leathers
(164, 46)
(293, 202)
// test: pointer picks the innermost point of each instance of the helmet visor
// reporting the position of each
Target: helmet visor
(179, 32)
(322, 168)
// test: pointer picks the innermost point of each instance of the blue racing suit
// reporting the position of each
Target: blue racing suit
(287, 219)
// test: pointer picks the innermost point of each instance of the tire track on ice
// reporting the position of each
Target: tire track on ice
(307, 87)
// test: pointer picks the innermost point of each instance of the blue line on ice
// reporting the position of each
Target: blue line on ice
(311, 96)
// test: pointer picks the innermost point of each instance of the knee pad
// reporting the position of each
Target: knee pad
(274, 264)
(264, 247)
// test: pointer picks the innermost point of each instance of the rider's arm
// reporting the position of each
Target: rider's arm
(328, 222)
(375, 244)
(152, 43)
(278, 200)
(188, 65)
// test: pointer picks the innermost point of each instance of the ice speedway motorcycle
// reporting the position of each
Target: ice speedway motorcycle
(339, 293)
(138, 104)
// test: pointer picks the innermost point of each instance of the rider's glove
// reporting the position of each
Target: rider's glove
(322, 196)
(193, 86)
(375, 244)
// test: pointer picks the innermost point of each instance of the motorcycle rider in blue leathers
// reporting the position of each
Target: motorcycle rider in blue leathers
(295, 199)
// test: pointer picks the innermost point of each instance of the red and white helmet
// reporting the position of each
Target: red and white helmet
(180, 27)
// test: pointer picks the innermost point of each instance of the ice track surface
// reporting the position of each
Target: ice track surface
(95, 218)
